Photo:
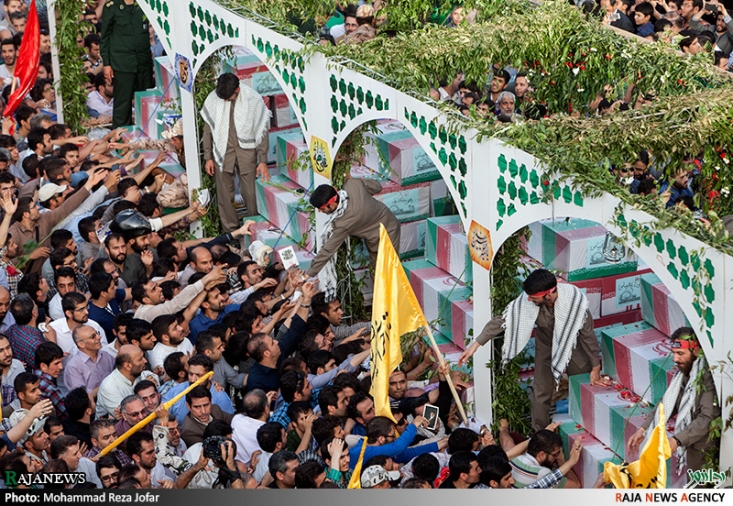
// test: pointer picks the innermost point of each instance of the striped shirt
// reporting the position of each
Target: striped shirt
(526, 471)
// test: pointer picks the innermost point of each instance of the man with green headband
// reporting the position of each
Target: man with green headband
(692, 397)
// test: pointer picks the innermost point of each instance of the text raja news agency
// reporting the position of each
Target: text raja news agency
(69, 496)
(667, 497)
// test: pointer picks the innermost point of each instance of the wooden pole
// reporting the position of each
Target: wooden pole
(447, 378)
(153, 416)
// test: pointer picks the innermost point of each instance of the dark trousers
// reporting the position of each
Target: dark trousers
(125, 86)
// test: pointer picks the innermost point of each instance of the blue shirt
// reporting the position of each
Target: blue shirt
(675, 193)
(266, 378)
(105, 318)
(180, 410)
(398, 450)
(201, 322)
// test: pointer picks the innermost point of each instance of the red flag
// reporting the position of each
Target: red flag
(29, 57)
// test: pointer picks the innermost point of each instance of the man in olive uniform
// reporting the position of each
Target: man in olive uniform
(125, 50)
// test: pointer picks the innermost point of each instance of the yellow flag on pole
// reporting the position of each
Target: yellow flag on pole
(395, 312)
(650, 471)
(355, 481)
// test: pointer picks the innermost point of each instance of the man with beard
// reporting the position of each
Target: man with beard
(76, 313)
(9, 366)
(544, 455)
(129, 371)
(521, 87)
(64, 282)
(692, 397)
(564, 337)
(201, 412)
(141, 448)
(153, 303)
(505, 108)
(679, 188)
(9, 52)
(105, 301)
(212, 346)
(132, 411)
(641, 164)
(14, 275)
(28, 389)
(89, 366)
(251, 276)
(198, 366)
(138, 261)
(214, 307)
(115, 253)
(102, 433)
(31, 225)
(119, 333)
(170, 337)
(340, 333)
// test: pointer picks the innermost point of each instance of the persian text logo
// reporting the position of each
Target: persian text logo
(704, 477)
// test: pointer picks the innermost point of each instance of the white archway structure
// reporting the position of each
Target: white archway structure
(499, 187)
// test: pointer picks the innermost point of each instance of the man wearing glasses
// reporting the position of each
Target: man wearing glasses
(352, 212)
(89, 366)
(102, 432)
(564, 339)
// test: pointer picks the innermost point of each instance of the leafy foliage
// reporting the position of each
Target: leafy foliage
(71, 87)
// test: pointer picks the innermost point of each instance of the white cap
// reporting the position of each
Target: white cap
(36, 426)
(374, 475)
(258, 250)
(49, 190)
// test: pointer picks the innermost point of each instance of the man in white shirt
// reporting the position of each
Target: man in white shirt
(9, 53)
(9, 366)
(66, 448)
(129, 371)
(101, 100)
(169, 335)
(244, 428)
(76, 313)
(119, 330)
(65, 282)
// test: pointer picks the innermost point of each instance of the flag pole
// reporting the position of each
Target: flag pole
(447, 377)
(152, 416)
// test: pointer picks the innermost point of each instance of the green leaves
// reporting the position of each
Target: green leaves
(71, 87)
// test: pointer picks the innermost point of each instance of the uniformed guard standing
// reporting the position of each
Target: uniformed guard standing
(125, 50)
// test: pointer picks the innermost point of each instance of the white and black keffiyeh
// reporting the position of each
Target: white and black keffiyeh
(328, 276)
(687, 403)
(252, 120)
(571, 308)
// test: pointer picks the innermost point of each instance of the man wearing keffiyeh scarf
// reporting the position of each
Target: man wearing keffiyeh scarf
(692, 397)
(564, 339)
(352, 212)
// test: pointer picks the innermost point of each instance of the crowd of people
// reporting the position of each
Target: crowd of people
(108, 312)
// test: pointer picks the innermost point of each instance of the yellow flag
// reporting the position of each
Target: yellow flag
(395, 312)
(650, 471)
(355, 481)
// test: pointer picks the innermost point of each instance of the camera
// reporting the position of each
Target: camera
(212, 447)
(711, 7)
